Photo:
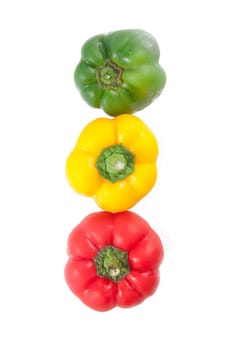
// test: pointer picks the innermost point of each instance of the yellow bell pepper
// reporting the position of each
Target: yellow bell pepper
(114, 162)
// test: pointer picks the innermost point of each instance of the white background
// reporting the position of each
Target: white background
(41, 115)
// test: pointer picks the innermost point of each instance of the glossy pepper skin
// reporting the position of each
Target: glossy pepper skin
(113, 260)
(114, 162)
(120, 72)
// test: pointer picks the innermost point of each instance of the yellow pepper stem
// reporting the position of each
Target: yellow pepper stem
(115, 163)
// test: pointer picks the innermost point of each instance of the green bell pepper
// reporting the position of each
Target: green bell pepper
(119, 71)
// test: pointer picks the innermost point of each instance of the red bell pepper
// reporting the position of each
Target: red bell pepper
(113, 260)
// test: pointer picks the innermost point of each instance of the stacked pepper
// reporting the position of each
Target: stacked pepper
(114, 255)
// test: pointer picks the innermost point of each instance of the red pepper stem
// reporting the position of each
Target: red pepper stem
(112, 263)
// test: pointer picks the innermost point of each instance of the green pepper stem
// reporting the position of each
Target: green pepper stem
(115, 163)
(109, 75)
(112, 263)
